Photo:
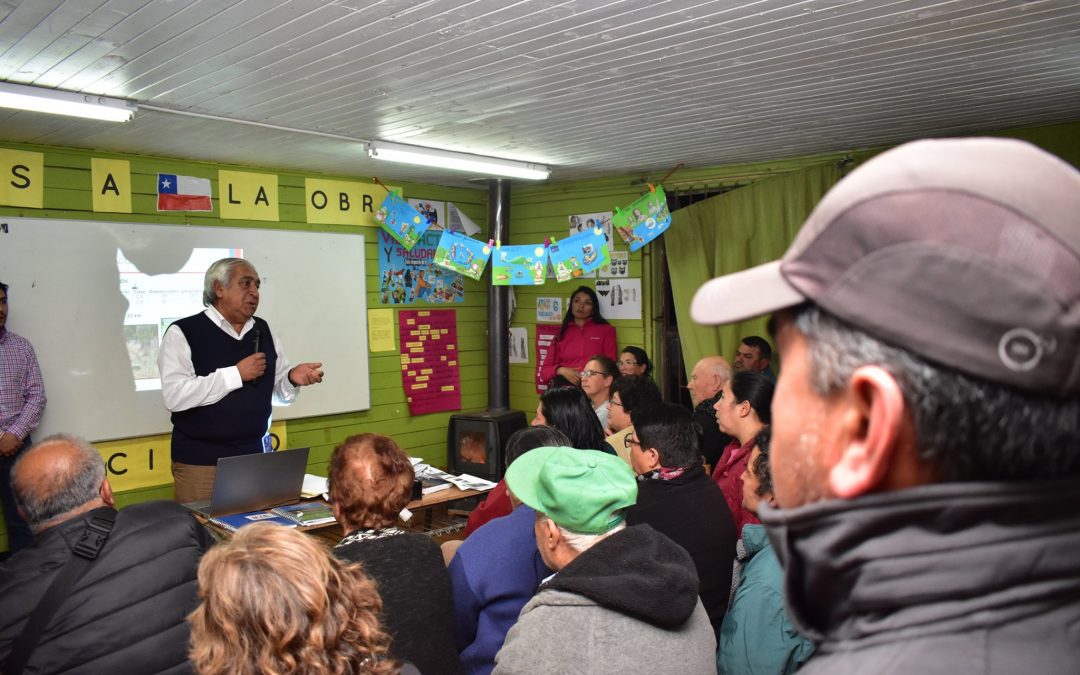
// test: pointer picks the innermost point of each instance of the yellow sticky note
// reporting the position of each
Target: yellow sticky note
(380, 330)
(110, 185)
(248, 196)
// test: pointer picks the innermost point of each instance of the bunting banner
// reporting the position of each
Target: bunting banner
(581, 254)
(644, 219)
(519, 265)
(462, 254)
(401, 220)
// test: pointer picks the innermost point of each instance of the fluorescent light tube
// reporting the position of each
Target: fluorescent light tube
(57, 102)
(446, 159)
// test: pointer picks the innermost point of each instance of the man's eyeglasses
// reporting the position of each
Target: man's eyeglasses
(629, 441)
(590, 373)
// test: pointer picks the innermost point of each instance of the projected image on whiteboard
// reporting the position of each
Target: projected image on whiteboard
(155, 301)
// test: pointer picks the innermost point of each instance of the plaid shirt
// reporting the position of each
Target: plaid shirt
(22, 390)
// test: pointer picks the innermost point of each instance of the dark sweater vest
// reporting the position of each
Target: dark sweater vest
(236, 424)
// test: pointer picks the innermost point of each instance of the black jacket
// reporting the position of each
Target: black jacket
(692, 512)
(417, 604)
(713, 441)
(951, 579)
(126, 614)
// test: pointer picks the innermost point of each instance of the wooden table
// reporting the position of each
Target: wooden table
(429, 517)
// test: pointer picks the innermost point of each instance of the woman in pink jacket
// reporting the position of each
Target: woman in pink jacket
(585, 333)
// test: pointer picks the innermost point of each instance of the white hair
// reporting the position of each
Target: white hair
(221, 272)
(582, 542)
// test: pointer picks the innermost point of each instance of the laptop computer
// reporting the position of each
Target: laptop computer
(261, 480)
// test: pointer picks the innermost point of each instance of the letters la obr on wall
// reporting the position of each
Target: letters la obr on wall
(240, 195)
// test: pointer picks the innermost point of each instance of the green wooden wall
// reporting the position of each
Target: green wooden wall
(67, 195)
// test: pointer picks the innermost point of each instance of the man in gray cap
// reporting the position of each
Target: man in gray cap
(623, 599)
(926, 435)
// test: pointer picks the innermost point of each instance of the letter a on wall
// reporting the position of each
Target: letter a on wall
(248, 196)
(111, 185)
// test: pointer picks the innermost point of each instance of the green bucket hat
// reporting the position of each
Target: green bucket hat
(584, 491)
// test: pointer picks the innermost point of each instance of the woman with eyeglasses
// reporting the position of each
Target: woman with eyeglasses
(634, 361)
(584, 332)
(742, 411)
(596, 379)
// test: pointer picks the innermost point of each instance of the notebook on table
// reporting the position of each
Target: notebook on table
(257, 481)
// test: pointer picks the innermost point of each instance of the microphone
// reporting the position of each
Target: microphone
(257, 335)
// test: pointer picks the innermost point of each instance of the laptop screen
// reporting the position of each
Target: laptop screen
(258, 481)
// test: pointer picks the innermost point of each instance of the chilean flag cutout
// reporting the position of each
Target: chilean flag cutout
(183, 193)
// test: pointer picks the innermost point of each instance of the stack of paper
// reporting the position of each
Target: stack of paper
(314, 486)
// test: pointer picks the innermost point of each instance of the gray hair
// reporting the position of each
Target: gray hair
(220, 272)
(44, 501)
(582, 542)
(968, 428)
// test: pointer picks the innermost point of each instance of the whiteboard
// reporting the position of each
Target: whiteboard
(70, 296)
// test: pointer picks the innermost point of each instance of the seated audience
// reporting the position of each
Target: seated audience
(568, 410)
(634, 361)
(707, 380)
(627, 394)
(743, 410)
(370, 482)
(676, 497)
(274, 601)
(753, 355)
(498, 568)
(125, 613)
(757, 637)
(624, 599)
(496, 503)
(596, 381)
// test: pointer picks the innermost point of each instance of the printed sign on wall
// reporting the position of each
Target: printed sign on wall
(429, 360)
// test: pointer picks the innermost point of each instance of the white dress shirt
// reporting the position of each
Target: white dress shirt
(182, 389)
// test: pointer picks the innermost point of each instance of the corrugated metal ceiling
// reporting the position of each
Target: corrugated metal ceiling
(592, 88)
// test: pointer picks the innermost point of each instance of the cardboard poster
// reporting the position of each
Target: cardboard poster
(380, 330)
(587, 221)
(519, 340)
(545, 339)
(619, 298)
(408, 276)
(549, 310)
(644, 219)
(618, 266)
(401, 220)
(457, 221)
(518, 265)
(431, 210)
(429, 360)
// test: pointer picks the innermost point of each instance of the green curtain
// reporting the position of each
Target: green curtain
(731, 232)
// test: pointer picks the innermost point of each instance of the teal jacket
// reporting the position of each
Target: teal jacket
(756, 636)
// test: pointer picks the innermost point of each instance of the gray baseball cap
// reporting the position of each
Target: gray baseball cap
(964, 251)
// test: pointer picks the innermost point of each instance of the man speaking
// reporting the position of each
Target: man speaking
(219, 370)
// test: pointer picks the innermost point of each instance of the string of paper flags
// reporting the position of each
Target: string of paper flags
(643, 220)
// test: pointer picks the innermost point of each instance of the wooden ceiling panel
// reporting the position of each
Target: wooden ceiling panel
(593, 87)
